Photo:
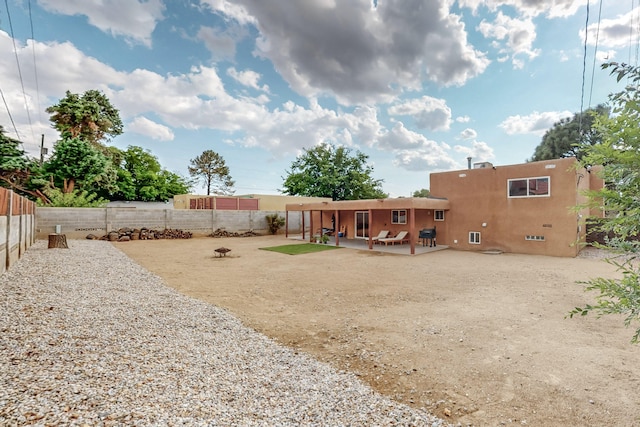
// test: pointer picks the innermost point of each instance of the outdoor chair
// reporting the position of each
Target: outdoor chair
(400, 238)
(382, 235)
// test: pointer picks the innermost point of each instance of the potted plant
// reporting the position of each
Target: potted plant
(325, 239)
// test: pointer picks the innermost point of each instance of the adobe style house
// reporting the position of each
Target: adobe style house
(526, 208)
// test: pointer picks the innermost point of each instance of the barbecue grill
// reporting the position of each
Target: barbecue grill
(428, 234)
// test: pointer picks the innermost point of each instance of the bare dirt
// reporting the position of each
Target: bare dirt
(476, 339)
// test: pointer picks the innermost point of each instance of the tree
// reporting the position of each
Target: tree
(210, 168)
(421, 193)
(89, 116)
(75, 199)
(329, 171)
(619, 155)
(17, 169)
(570, 136)
(146, 180)
(76, 163)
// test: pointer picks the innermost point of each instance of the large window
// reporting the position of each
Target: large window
(399, 216)
(474, 237)
(438, 215)
(529, 187)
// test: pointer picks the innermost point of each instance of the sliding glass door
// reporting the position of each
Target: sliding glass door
(362, 225)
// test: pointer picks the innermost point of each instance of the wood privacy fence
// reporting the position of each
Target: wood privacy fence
(17, 227)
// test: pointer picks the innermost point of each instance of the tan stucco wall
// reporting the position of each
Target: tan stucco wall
(479, 203)
(275, 202)
(267, 202)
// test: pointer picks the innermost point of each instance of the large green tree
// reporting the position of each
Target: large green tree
(211, 169)
(76, 164)
(146, 180)
(89, 116)
(570, 136)
(619, 155)
(329, 171)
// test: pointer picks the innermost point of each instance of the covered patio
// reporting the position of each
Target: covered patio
(358, 222)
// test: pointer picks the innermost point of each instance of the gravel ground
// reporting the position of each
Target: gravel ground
(88, 337)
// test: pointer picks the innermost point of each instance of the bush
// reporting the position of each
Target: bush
(274, 223)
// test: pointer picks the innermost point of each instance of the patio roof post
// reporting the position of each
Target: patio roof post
(412, 230)
(370, 214)
(336, 226)
(286, 224)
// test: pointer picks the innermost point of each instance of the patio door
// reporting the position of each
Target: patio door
(362, 225)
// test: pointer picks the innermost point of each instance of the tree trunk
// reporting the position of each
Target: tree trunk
(58, 241)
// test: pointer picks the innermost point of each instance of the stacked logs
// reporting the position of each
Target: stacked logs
(223, 233)
(126, 234)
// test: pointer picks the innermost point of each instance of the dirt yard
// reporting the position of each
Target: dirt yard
(476, 339)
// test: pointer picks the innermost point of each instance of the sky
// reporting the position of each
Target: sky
(416, 85)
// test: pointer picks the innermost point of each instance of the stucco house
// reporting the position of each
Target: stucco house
(524, 208)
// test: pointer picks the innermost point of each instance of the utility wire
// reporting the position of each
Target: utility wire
(595, 52)
(584, 67)
(15, 51)
(35, 66)
(10, 116)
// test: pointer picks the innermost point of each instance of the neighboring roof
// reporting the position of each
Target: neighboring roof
(399, 203)
(141, 205)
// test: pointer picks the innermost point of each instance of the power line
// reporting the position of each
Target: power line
(584, 68)
(595, 52)
(10, 116)
(15, 51)
(35, 66)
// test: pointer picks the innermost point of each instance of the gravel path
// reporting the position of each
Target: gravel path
(88, 337)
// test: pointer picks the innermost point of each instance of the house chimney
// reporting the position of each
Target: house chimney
(469, 162)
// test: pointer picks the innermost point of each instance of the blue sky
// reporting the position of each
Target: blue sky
(417, 85)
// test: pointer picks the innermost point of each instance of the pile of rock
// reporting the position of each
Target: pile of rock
(220, 232)
(125, 234)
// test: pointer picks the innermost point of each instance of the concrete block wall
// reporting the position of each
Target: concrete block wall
(76, 223)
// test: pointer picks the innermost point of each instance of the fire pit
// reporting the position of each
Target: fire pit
(220, 252)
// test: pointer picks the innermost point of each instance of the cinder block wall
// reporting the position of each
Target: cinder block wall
(76, 223)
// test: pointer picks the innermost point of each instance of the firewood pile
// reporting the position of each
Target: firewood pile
(220, 232)
(126, 234)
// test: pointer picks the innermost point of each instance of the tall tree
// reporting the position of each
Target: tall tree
(211, 169)
(619, 155)
(570, 136)
(75, 162)
(145, 176)
(89, 116)
(329, 171)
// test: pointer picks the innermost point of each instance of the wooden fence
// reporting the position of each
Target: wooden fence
(17, 227)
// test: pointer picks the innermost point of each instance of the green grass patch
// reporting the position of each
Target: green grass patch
(301, 248)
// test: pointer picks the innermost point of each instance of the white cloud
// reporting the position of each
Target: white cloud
(463, 119)
(143, 126)
(361, 53)
(132, 19)
(517, 35)
(550, 8)
(613, 33)
(479, 151)
(468, 134)
(428, 113)
(221, 44)
(247, 78)
(535, 123)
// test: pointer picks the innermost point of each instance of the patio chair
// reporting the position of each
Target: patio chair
(382, 235)
(400, 238)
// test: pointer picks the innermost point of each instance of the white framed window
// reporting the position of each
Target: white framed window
(399, 216)
(529, 187)
(474, 237)
(438, 215)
